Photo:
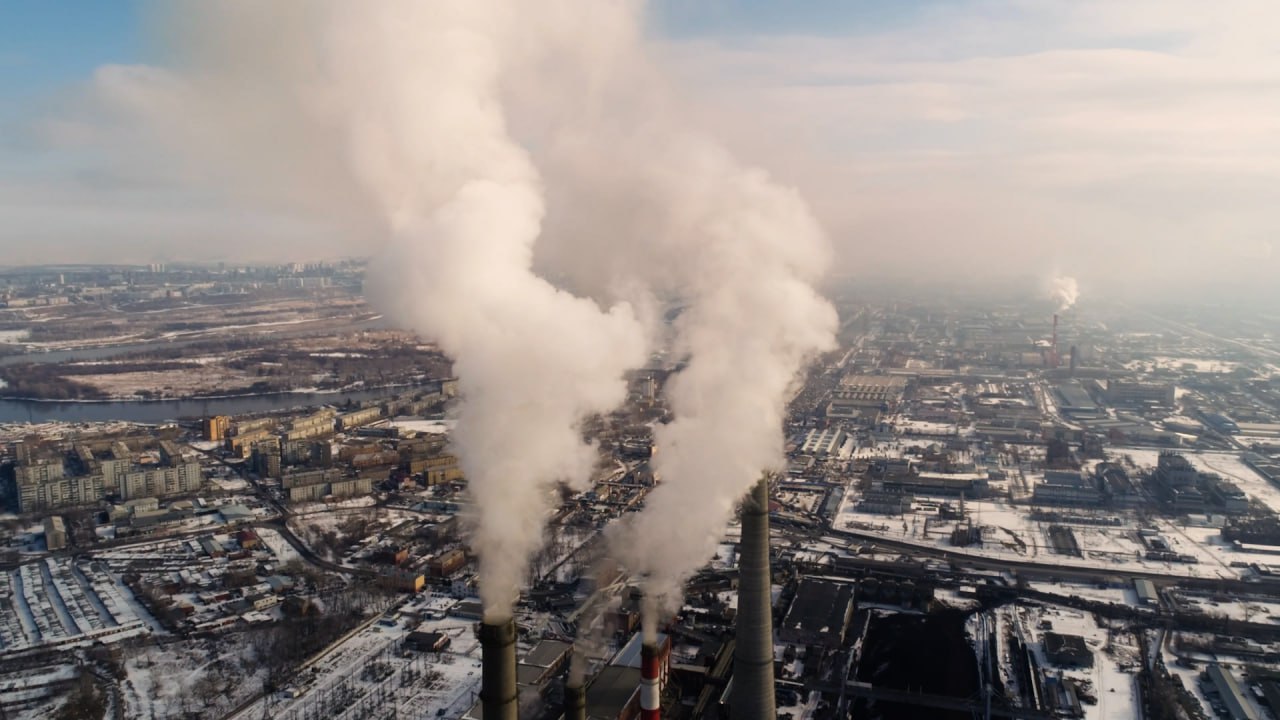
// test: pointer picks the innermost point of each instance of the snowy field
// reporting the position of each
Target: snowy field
(179, 679)
(1111, 681)
(284, 552)
(1115, 594)
(1190, 676)
(370, 671)
(434, 427)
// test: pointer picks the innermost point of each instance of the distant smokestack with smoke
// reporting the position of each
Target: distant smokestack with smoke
(1064, 291)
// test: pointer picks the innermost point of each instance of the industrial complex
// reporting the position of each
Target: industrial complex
(985, 511)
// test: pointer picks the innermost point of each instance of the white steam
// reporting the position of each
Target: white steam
(1064, 291)
(463, 145)
(752, 321)
(387, 118)
(739, 251)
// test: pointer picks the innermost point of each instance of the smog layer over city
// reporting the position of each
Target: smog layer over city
(612, 359)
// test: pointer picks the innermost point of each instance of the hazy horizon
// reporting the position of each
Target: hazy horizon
(1131, 147)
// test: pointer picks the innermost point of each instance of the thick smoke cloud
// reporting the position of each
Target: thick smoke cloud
(387, 120)
(475, 149)
(737, 250)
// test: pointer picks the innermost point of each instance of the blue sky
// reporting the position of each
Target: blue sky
(681, 18)
(49, 44)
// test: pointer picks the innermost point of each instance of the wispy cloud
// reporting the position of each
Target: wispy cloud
(1005, 136)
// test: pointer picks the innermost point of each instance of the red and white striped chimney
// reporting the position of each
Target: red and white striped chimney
(650, 689)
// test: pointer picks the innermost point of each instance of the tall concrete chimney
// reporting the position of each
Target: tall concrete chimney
(575, 701)
(1053, 351)
(650, 691)
(753, 697)
(498, 665)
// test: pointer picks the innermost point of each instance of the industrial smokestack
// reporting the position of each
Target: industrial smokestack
(650, 690)
(753, 696)
(1075, 358)
(498, 664)
(575, 701)
(1053, 349)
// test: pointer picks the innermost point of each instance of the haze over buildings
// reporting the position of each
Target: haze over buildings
(493, 464)
(994, 139)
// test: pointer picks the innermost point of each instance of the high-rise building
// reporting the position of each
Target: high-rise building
(215, 428)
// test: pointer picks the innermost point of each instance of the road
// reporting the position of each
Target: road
(1053, 570)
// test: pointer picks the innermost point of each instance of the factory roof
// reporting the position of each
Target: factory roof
(529, 675)
(1233, 697)
(611, 691)
(819, 607)
(547, 653)
(233, 513)
(1067, 648)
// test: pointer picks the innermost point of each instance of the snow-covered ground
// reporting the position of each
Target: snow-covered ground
(339, 684)
(1117, 594)
(284, 552)
(1227, 464)
(177, 679)
(1189, 673)
(1111, 679)
(435, 427)
(1011, 534)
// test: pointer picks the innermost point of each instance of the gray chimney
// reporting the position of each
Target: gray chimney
(575, 701)
(498, 665)
(752, 697)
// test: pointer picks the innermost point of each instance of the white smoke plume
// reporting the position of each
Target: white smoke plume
(463, 145)
(387, 118)
(739, 251)
(1064, 291)
(748, 329)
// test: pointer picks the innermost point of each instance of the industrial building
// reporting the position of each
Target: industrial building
(819, 614)
(1069, 488)
(864, 397)
(826, 441)
(1146, 591)
(1220, 682)
(614, 694)
(1132, 393)
(1067, 650)
(55, 533)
